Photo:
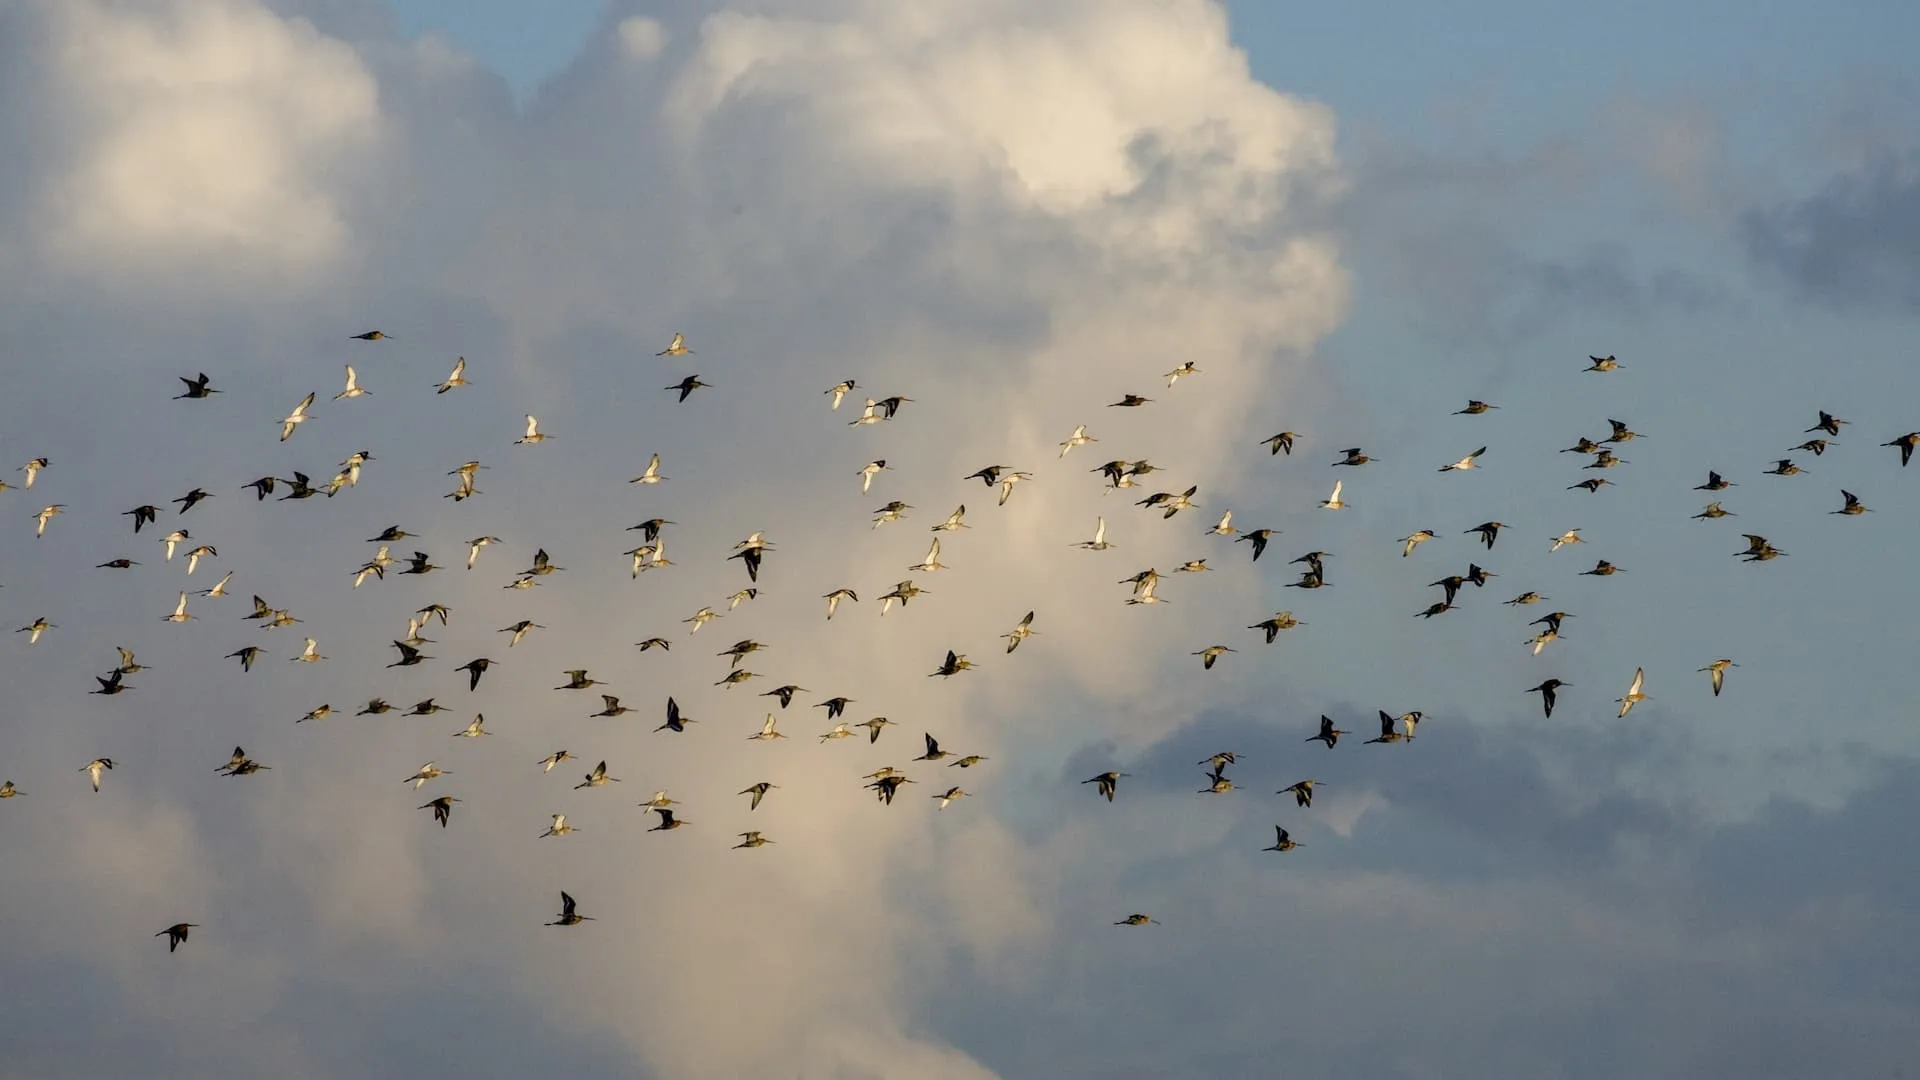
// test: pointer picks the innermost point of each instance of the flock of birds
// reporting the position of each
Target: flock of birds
(753, 552)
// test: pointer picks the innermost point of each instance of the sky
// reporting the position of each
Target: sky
(1351, 220)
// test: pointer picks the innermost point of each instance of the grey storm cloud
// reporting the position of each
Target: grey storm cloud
(1853, 244)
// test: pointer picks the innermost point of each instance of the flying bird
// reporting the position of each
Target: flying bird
(1281, 841)
(1488, 530)
(410, 655)
(833, 599)
(354, 389)
(1906, 443)
(1283, 620)
(687, 386)
(1717, 671)
(1327, 734)
(426, 772)
(474, 669)
(1099, 541)
(1211, 653)
(1548, 692)
(1621, 432)
(1258, 538)
(1828, 423)
(569, 915)
(1217, 784)
(953, 665)
(597, 778)
(678, 347)
(196, 388)
(1021, 632)
(177, 933)
(1465, 462)
(295, 418)
(456, 379)
(676, 720)
(1389, 731)
(519, 630)
(442, 808)
(1107, 781)
(534, 435)
(651, 476)
(1853, 506)
(1633, 692)
(1302, 792)
(94, 768)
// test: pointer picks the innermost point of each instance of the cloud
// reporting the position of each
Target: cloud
(1532, 893)
(211, 134)
(1478, 240)
(643, 38)
(1850, 245)
(810, 191)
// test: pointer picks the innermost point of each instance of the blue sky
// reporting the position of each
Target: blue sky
(1351, 218)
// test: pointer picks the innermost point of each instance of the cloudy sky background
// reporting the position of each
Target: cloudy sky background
(1352, 221)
